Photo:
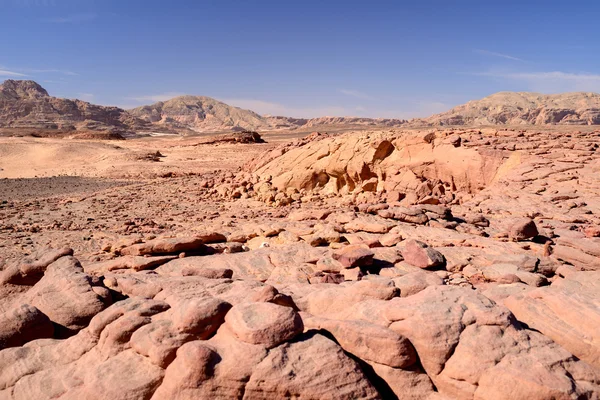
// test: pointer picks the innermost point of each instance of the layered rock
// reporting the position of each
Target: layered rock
(280, 122)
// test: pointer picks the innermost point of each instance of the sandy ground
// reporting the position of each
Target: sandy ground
(80, 193)
(36, 158)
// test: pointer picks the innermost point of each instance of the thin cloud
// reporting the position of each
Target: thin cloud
(11, 73)
(86, 96)
(552, 81)
(356, 94)
(71, 19)
(156, 97)
(547, 75)
(416, 109)
(19, 71)
(494, 54)
(269, 108)
(35, 3)
(50, 71)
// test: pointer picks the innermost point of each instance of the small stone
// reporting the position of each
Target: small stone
(354, 256)
(421, 255)
(523, 229)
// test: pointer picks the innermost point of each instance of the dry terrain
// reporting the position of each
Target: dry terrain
(379, 264)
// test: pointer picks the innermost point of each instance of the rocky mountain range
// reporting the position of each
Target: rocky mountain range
(205, 114)
(524, 108)
(27, 105)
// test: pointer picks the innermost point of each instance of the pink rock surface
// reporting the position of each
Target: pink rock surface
(421, 255)
(263, 323)
(354, 256)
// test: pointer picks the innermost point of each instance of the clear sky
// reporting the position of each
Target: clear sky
(302, 58)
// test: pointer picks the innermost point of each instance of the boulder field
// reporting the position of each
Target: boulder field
(381, 265)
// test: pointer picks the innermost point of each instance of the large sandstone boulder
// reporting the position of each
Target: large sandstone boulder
(23, 324)
(313, 367)
(32, 268)
(65, 294)
(420, 255)
(263, 323)
(394, 162)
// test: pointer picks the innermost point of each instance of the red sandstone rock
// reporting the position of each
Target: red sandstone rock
(173, 245)
(354, 256)
(523, 229)
(23, 324)
(420, 255)
(263, 323)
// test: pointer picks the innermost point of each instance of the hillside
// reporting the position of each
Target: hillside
(25, 105)
(516, 108)
(200, 114)
(205, 114)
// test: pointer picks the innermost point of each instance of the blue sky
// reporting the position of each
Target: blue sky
(302, 58)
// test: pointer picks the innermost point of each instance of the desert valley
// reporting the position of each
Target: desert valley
(189, 249)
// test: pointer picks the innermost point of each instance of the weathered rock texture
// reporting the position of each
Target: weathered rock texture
(394, 162)
(470, 273)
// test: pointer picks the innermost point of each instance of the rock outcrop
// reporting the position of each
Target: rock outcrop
(424, 164)
(280, 122)
(177, 336)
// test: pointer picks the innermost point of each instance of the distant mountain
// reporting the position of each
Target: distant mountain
(278, 122)
(27, 105)
(200, 114)
(204, 114)
(516, 108)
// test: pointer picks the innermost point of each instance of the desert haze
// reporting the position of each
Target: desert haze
(409, 210)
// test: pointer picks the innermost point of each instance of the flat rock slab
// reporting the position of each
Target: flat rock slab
(173, 245)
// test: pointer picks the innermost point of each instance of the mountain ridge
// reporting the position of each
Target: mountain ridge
(27, 105)
(199, 114)
(24, 104)
(517, 108)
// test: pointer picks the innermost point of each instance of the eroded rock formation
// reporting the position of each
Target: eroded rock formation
(462, 281)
